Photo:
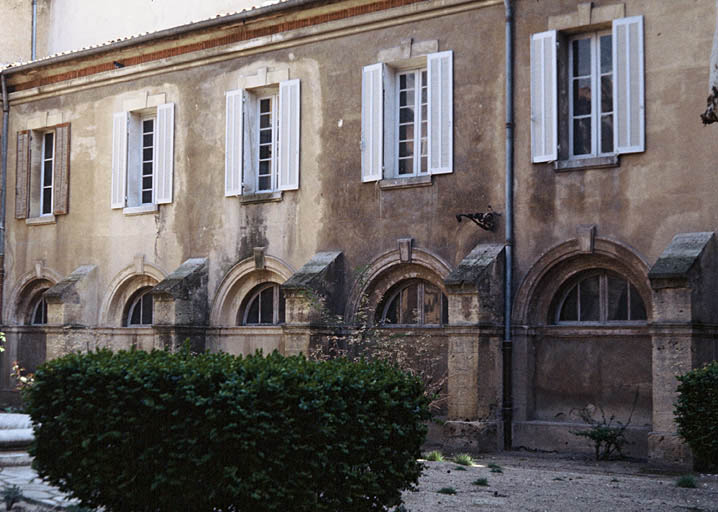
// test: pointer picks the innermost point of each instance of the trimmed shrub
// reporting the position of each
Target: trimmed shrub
(697, 413)
(154, 431)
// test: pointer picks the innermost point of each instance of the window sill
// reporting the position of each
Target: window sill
(414, 181)
(38, 221)
(140, 210)
(581, 164)
(268, 197)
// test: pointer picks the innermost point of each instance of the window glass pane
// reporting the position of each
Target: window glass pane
(48, 145)
(409, 312)
(406, 81)
(136, 318)
(589, 300)
(444, 309)
(265, 151)
(406, 166)
(40, 314)
(406, 149)
(582, 96)
(146, 196)
(406, 132)
(581, 57)
(606, 93)
(432, 305)
(47, 173)
(46, 200)
(265, 182)
(569, 310)
(606, 54)
(390, 317)
(265, 121)
(146, 309)
(265, 136)
(253, 313)
(638, 309)
(147, 154)
(617, 298)
(267, 305)
(147, 182)
(607, 133)
(406, 115)
(148, 125)
(265, 105)
(582, 136)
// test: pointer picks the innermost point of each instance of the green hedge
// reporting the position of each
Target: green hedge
(153, 431)
(697, 413)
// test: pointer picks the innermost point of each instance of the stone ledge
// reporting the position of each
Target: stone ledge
(679, 258)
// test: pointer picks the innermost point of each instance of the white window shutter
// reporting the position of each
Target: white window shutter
(372, 113)
(629, 131)
(233, 145)
(164, 153)
(119, 159)
(544, 110)
(440, 75)
(289, 122)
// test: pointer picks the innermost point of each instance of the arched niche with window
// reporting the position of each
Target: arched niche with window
(263, 305)
(597, 297)
(138, 310)
(413, 302)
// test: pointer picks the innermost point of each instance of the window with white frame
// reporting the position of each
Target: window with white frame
(407, 118)
(43, 166)
(587, 93)
(143, 158)
(139, 308)
(262, 139)
(264, 305)
(598, 296)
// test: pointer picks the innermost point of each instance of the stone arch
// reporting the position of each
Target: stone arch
(26, 290)
(239, 281)
(122, 287)
(387, 270)
(559, 264)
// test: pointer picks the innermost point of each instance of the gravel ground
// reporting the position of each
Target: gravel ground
(529, 482)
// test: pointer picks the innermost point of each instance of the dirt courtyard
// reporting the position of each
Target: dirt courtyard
(529, 482)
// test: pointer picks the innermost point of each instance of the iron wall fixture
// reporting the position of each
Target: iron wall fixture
(485, 221)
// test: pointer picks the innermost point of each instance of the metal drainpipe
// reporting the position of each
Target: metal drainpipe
(507, 409)
(3, 180)
(34, 30)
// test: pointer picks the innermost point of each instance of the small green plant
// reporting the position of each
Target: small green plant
(687, 482)
(607, 434)
(482, 482)
(11, 495)
(434, 456)
(459, 468)
(464, 459)
(495, 468)
(401, 508)
(447, 490)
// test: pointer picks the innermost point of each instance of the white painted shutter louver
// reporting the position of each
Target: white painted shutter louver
(289, 123)
(372, 112)
(544, 111)
(233, 145)
(250, 135)
(628, 86)
(440, 112)
(119, 159)
(164, 153)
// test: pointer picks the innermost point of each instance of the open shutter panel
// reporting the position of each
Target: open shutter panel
(288, 163)
(119, 159)
(233, 145)
(390, 123)
(544, 111)
(22, 177)
(629, 132)
(61, 177)
(164, 153)
(372, 112)
(440, 116)
(250, 152)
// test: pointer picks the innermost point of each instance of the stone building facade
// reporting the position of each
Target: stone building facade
(211, 181)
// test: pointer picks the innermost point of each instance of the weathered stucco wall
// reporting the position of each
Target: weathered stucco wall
(15, 39)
